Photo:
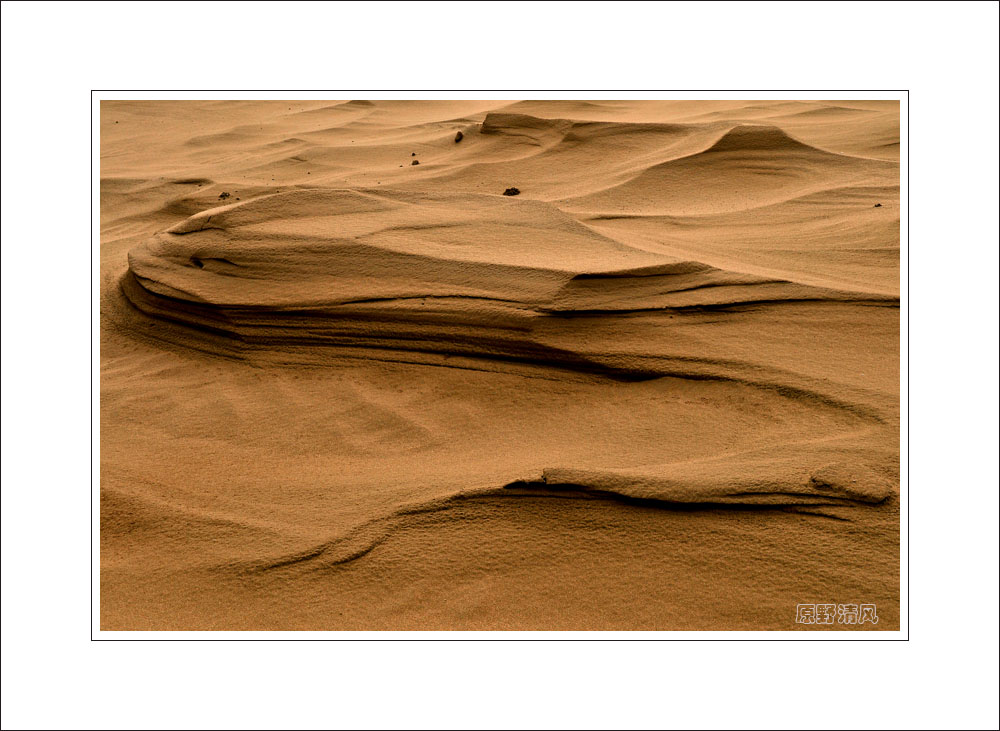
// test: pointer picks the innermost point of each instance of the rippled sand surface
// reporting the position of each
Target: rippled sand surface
(348, 383)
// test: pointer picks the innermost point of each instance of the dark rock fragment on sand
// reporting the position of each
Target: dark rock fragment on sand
(459, 136)
(415, 162)
(223, 196)
(512, 191)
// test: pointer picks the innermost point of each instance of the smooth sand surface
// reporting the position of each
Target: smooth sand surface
(656, 390)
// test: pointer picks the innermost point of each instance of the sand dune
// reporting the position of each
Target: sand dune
(657, 389)
(748, 167)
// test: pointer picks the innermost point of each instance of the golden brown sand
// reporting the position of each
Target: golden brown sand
(658, 389)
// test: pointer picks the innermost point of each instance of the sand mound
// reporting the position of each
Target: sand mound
(467, 275)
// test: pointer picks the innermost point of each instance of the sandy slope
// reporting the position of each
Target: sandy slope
(659, 389)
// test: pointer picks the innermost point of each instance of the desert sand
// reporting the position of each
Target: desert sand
(348, 384)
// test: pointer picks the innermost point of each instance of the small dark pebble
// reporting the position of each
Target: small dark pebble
(878, 205)
(415, 162)
(223, 196)
(459, 136)
(413, 154)
(512, 191)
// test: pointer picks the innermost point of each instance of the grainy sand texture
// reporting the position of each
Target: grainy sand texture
(461, 365)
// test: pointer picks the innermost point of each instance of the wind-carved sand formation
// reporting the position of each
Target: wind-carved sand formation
(658, 389)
